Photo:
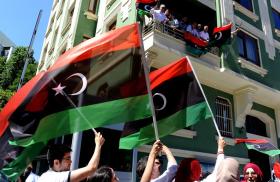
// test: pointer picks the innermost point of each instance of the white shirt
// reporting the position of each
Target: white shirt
(158, 15)
(212, 176)
(204, 35)
(53, 176)
(168, 174)
(193, 31)
(32, 177)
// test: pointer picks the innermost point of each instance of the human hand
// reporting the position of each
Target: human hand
(99, 140)
(156, 148)
(165, 149)
(221, 144)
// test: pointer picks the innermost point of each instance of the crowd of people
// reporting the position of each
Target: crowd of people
(148, 167)
(163, 15)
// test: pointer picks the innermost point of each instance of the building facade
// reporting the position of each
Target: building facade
(6, 46)
(241, 81)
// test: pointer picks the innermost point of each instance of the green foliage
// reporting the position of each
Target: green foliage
(10, 73)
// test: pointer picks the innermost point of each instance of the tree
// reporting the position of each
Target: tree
(10, 73)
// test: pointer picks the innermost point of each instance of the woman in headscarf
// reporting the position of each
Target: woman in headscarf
(252, 173)
(190, 169)
(228, 171)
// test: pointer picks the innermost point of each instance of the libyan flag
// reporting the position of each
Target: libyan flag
(178, 101)
(260, 145)
(79, 92)
(221, 35)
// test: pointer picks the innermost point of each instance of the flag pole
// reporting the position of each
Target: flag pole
(147, 79)
(207, 103)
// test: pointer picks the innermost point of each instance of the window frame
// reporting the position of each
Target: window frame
(219, 118)
(251, 3)
(243, 37)
(92, 6)
(274, 11)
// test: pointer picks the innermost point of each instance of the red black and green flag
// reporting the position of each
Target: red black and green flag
(178, 100)
(80, 91)
(260, 145)
(221, 35)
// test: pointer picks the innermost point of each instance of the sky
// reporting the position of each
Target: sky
(18, 18)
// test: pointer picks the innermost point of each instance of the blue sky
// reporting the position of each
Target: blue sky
(18, 18)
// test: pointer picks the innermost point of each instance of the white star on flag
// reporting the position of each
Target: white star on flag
(58, 89)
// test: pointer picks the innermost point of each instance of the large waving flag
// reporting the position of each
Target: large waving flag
(221, 35)
(179, 103)
(260, 145)
(80, 91)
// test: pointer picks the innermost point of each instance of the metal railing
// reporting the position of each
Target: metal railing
(171, 31)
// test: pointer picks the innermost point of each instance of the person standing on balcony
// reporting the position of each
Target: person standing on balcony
(159, 15)
(204, 33)
(183, 24)
(192, 28)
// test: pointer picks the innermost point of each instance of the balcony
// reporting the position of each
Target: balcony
(164, 44)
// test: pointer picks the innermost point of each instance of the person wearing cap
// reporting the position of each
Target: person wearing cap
(59, 159)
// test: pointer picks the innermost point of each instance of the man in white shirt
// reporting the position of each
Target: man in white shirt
(159, 15)
(192, 28)
(151, 168)
(204, 33)
(59, 159)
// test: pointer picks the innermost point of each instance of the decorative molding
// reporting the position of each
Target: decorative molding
(202, 156)
(267, 29)
(185, 133)
(247, 64)
(277, 117)
(243, 99)
(90, 15)
(245, 11)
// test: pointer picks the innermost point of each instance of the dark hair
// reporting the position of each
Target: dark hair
(188, 171)
(142, 163)
(57, 152)
(103, 174)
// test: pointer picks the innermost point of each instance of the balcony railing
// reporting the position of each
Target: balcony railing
(171, 31)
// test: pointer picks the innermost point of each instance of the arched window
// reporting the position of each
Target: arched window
(223, 116)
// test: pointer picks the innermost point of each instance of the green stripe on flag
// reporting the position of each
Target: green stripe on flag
(87, 117)
(271, 153)
(181, 119)
(14, 169)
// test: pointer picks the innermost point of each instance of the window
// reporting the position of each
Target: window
(118, 159)
(224, 116)
(246, 4)
(248, 48)
(93, 6)
(255, 126)
(276, 17)
(112, 26)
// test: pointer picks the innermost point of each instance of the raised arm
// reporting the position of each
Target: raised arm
(146, 177)
(220, 153)
(82, 173)
(171, 169)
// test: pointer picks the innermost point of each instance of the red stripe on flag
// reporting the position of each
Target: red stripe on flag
(119, 39)
(253, 141)
(223, 28)
(16, 100)
(165, 73)
(145, 1)
(197, 41)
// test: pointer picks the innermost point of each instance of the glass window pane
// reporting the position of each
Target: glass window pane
(251, 49)
(240, 46)
(276, 17)
(247, 4)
